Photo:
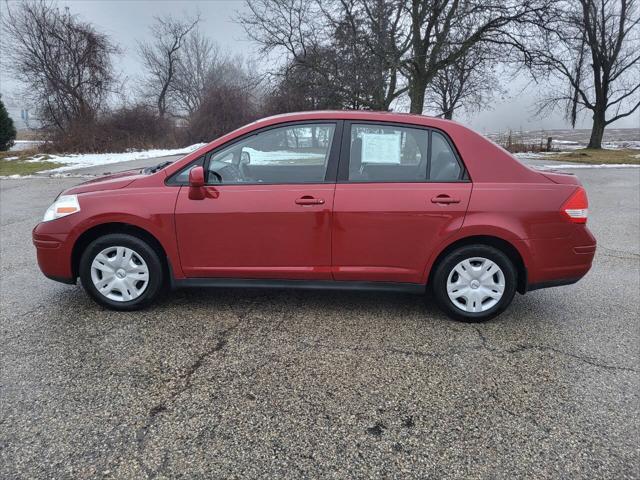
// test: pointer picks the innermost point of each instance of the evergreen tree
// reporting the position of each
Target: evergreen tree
(7, 130)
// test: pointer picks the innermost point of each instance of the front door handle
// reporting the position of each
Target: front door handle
(444, 199)
(309, 200)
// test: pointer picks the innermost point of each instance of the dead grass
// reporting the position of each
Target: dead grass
(20, 163)
(596, 156)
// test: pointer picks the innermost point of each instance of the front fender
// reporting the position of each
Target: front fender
(150, 209)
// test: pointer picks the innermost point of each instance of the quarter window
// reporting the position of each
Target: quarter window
(444, 164)
(291, 154)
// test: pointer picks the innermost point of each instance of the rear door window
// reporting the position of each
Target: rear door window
(389, 153)
(380, 153)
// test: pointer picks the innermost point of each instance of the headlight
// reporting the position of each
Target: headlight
(63, 206)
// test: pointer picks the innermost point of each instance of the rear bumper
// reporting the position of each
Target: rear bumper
(561, 261)
(552, 283)
(54, 254)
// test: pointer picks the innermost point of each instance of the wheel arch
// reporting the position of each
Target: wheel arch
(501, 244)
(102, 229)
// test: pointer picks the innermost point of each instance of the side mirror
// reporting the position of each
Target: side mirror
(196, 177)
(245, 158)
(196, 183)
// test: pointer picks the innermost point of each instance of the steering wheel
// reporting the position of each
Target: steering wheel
(229, 173)
(217, 175)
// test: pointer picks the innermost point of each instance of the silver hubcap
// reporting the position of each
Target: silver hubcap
(120, 274)
(475, 284)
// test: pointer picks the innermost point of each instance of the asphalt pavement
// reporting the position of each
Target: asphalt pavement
(301, 384)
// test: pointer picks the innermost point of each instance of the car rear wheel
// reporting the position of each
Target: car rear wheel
(474, 283)
(121, 272)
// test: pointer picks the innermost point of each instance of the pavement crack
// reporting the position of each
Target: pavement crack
(582, 358)
(610, 252)
(389, 350)
(545, 348)
(31, 311)
(185, 380)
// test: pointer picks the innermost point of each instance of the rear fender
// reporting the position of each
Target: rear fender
(480, 231)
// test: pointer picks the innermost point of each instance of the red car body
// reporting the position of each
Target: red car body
(337, 230)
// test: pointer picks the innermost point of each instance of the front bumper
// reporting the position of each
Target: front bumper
(53, 253)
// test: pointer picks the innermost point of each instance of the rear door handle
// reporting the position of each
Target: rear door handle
(444, 199)
(309, 200)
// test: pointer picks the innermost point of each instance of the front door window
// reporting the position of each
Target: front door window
(286, 155)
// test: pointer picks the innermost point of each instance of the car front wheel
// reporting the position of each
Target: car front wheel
(474, 283)
(121, 272)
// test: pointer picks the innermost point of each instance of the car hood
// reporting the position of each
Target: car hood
(108, 182)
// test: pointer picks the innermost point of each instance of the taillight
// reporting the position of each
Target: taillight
(576, 207)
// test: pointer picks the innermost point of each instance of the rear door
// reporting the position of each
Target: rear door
(401, 190)
(267, 209)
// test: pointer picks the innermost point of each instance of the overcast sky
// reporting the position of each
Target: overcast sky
(128, 21)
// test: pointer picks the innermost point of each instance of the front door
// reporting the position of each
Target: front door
(267, 211)
(400, 192)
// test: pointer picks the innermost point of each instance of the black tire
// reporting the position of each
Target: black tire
(446, 265)
(156, 280)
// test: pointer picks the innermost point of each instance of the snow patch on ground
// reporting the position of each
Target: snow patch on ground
(259, 157)
(630, 144)
(74, 161)
(535, 155)
(25, 145)
(41, 176)
(541, 156)
(565, 166)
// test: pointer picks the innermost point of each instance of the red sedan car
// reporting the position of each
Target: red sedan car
(337, 200)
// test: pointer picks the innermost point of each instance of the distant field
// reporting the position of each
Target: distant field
(569, 139)
(587, 155)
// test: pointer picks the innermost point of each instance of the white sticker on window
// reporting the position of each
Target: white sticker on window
(381, 147)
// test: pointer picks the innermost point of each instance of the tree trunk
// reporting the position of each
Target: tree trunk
(417, 93)
(448, 114)
(597, 130)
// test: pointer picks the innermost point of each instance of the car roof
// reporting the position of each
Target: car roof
(365, 115)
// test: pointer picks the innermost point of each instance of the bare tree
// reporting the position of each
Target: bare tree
(64, 63)
(443, 31)
(370, 38)
(298, 88)
(225, 107)
(353, 47)
(160, 57)
(390, 47)
(200, 63)
(592, 48)
(468, 84)
(203, 65)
